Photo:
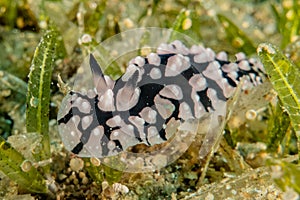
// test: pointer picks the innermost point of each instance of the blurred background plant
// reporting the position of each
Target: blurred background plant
(79, 25)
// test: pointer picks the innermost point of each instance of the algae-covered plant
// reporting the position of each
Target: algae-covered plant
(44, 49)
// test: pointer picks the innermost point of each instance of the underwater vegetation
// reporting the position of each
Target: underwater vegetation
(44, 42)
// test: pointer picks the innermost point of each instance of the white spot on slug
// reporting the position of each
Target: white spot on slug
(175, 47)
(172, 91)
(153, 136)
(185, 112)
(197, 49)
(164, 107)
(140, 61)
(240, 56)
(206, 56)
(231, 67)
(85, 107)
(78, 101)
(172, 127)
(153, 59)
(177, 64)
(155, 73)
(137, 121)
(149, 115)
(198, 82)
(127, 97)
(114, 121)
(222, 56)
(244, 65)
(129, 72)
(106, 101)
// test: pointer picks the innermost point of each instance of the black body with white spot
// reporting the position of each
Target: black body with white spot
(156, 94)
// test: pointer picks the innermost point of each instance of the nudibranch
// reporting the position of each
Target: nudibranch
(149, 101)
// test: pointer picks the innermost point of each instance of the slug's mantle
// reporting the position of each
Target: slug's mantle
(154, 97)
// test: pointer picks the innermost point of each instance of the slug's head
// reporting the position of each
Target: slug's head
(87, 120)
